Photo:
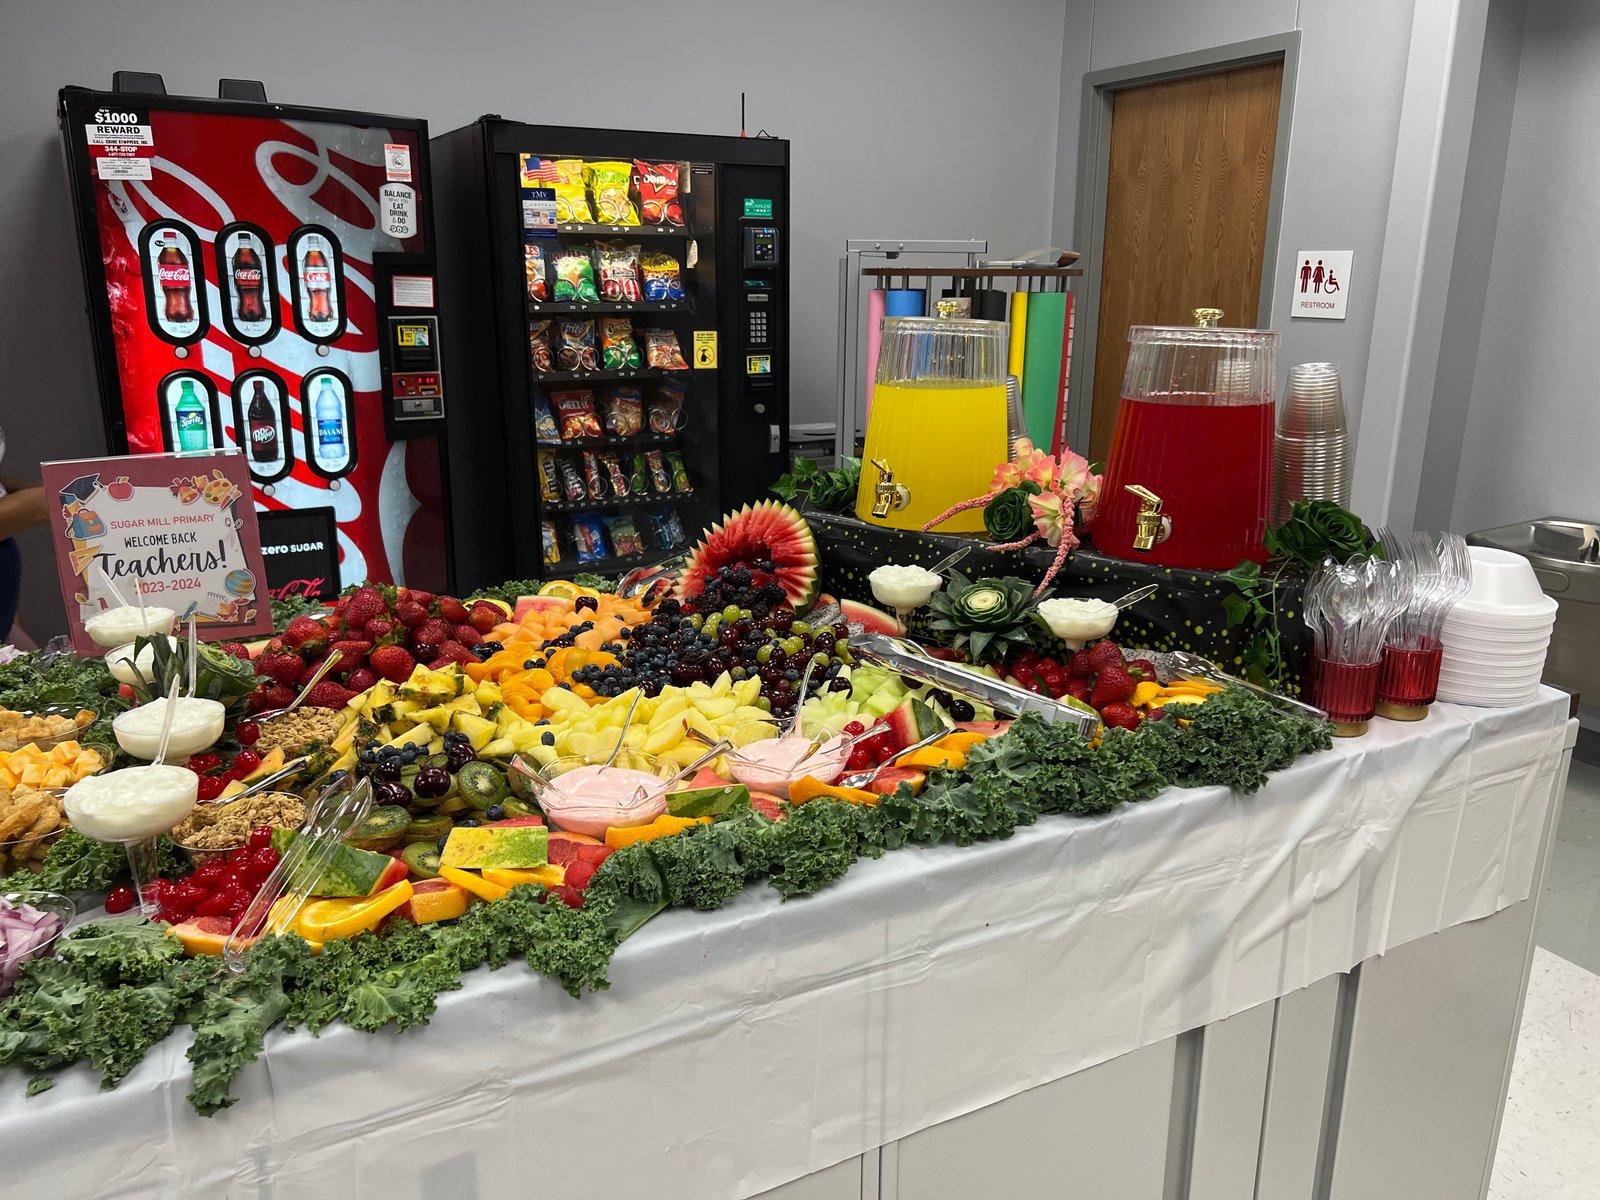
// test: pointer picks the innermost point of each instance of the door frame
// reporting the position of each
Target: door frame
(1094, 171)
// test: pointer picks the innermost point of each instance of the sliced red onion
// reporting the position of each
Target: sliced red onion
(24, 932)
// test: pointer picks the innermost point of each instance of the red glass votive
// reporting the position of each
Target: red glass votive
(1408, 681)
(1347, 692)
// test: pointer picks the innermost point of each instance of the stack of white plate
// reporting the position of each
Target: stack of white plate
(1496, 638)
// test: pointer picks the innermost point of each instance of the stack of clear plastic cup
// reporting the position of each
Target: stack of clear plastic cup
(1313, 458)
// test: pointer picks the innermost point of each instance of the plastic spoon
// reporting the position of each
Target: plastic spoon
(622, 734)
(262, 784)
(194, 651)
(800, 699)
(1135, 596)
(950, 560)
(116, 591)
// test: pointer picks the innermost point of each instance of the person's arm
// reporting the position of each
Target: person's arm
(17, 485)
(22, 510)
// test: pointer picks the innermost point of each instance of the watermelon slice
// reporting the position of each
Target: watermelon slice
(768, 531)
(888, 779)
(871, 620)
(528, 604)
(912, 722)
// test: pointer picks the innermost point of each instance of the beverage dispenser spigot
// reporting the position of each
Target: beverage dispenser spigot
(887, 495)
(1151, 525)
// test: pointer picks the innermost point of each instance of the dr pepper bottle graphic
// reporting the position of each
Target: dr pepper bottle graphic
(262, 422)
(176, 279)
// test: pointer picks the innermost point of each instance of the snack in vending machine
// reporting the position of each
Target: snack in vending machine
(661, 350)
(660, 480)
(663, 277)
(618, 350)
(533, 266)
(552, 542)
(571, 480)
(624, 535)
(577, 350)
(658, 192)
(572, 198)
(575, 275)
(680, 473)
(619, 271)
(666, 405)
(549, 488)
(544, 425)
(540, 354)
(575, 411)
(610, 182)
(588, 538)
(667, 529)
(612, 462)
(624, 409)
(638, 474)
(593, 481)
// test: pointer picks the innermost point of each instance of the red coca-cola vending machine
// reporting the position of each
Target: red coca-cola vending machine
(262, 277)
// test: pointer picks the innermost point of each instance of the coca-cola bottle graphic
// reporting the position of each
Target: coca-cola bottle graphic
(318, 277)
(249, 304)
(176, 280)
(261, 421)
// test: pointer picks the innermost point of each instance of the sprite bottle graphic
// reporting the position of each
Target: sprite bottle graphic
(190, 418)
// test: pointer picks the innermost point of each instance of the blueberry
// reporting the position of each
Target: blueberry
(542, 721)
(443, 838)
(469, 823)
(549, 739)
(496, 812)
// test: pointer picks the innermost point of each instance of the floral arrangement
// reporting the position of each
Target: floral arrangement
(1036, 497)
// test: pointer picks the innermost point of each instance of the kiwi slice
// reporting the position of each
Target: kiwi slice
(384, 827)
(481, 783)
(455, 804)
(518, 808)
(422, 858)
(428, 829)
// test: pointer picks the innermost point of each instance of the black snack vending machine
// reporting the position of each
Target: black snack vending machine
(618, 305)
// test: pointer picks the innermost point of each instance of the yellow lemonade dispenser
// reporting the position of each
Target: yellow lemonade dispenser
(938, 424)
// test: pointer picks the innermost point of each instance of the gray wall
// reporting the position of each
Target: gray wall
(910, 118)
(1353, 57)
(1529, 442)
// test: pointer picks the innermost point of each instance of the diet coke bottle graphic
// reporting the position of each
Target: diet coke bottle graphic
(261, 421)
(176, 279)
(318, 276)
(249, 306)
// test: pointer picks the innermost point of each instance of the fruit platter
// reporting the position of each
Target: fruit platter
(343, 821)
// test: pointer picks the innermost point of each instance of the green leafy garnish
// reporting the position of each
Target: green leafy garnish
(825, 491)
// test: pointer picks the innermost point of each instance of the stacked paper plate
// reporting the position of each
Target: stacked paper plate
(1496, 638)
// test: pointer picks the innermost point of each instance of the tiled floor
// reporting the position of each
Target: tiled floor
(1550, 1138)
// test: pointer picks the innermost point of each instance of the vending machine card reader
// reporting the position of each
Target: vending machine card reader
(416, 383)
(759, 316)
(409, 351)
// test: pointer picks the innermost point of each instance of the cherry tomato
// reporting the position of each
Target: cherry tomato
(248, 733)
(260, 838)
(246, 761)
(120, 900)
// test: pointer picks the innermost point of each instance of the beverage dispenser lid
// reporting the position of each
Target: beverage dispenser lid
(1207, 330)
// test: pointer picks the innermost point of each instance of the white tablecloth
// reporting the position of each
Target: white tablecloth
(739, 1049)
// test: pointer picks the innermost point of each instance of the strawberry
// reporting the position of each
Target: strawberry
(352, 654)
(1078, 689)
(361, 679)
(467, 635)
(485, 616)
(328, 694)
(451, 652)
(453, 610)
(1112, 685)
(238, 651)
(410, 614)
(280, 668)
(305, 635)
(1081, 667)
(1142, 669)
(276, 696)
(274, 646)
(433, 632)
(364, 604)
(392, 663)
(377, 629)
(1105, 654)
(1121, 716)
(423, 598)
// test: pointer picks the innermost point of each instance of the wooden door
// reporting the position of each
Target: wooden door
(1186, 213)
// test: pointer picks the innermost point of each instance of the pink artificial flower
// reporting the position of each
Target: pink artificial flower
(1052, 516)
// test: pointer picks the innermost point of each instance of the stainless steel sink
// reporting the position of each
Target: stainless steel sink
(1565, 554)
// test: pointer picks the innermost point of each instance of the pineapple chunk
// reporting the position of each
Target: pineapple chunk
(419, 735)
(557, 698)
(479, 731)
(501, 747)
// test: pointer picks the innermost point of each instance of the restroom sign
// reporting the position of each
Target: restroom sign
(1320, 283)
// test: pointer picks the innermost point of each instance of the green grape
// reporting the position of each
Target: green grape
(764, 654)
(732, 613)
(763, 704)
(800, 628)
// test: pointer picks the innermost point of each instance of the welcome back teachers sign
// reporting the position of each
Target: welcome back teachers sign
(178, 528)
